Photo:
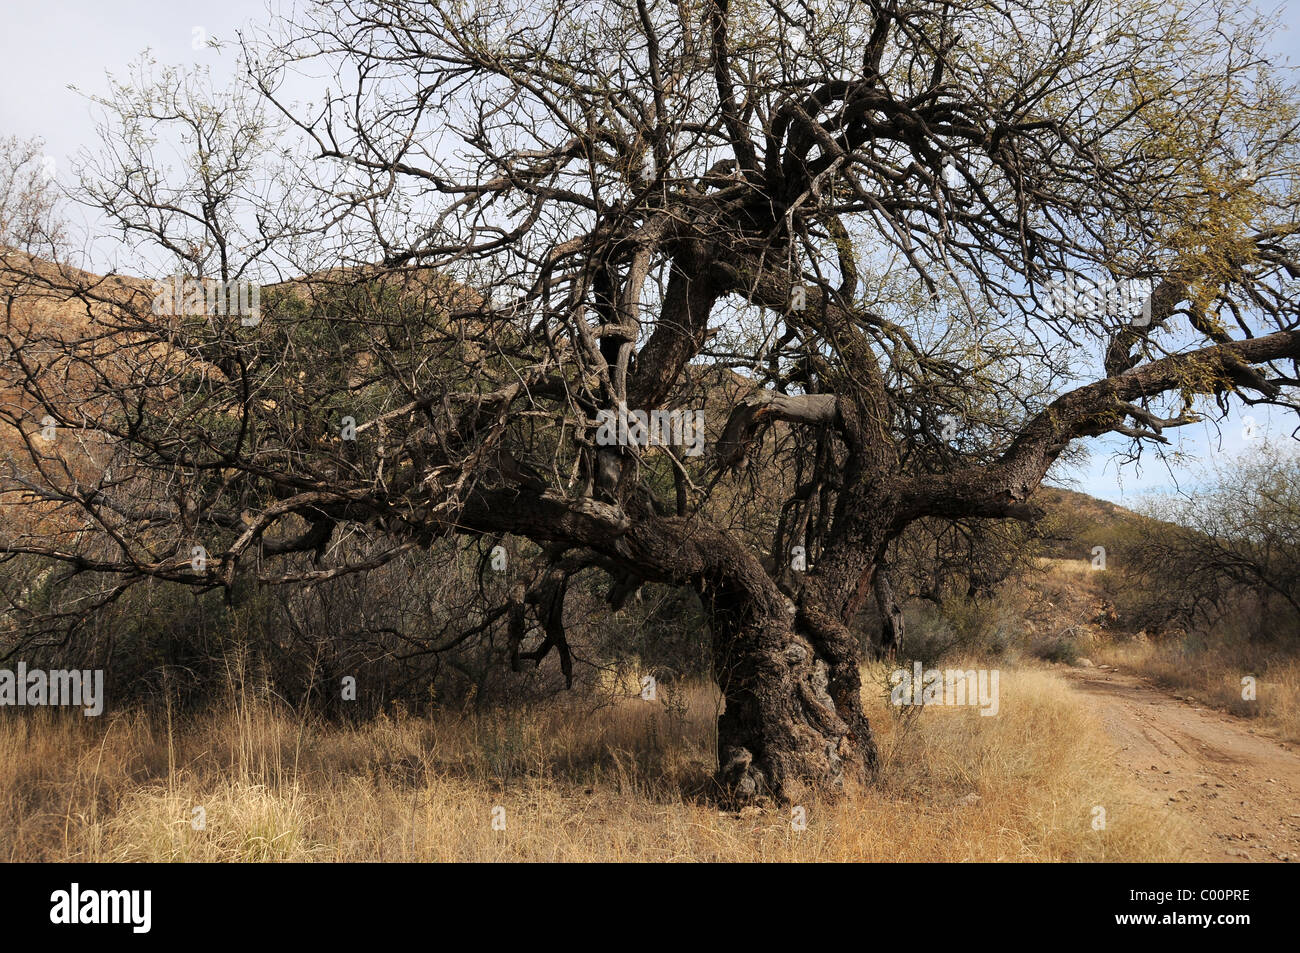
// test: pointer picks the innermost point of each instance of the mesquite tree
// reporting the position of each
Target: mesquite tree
(901, 237)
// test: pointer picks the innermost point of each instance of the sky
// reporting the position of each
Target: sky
(50, 45)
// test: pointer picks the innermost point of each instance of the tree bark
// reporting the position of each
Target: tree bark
(793, 726)
(891, 614)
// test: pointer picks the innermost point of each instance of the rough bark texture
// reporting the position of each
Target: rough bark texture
(891, 615)
(793, 725)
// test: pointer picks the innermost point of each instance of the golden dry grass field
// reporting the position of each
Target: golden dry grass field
(620, 782)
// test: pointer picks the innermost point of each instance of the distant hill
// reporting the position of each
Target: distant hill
(1076, 522)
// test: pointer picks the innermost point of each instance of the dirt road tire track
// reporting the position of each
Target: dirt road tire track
(1238, 790)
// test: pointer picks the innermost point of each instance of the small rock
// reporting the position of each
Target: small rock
(1084, 662)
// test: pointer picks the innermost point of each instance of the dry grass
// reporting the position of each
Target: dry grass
(1212, 674)
(576, 784)
(1072, 568)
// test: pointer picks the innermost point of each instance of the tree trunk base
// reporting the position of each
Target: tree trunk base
(793, 727)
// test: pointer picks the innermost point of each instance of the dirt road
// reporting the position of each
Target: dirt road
(1238, 791)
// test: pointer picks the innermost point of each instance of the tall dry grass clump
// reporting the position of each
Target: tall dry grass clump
(574, 781)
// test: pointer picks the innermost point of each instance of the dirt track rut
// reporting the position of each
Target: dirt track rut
(1239, 790)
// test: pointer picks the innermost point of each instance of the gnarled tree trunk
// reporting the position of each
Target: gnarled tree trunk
(793, 726)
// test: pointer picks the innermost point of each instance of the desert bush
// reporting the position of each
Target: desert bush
(985, 628)
(404, 631)
(1055, 648)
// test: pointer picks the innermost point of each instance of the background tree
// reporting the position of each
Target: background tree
(1236, 535)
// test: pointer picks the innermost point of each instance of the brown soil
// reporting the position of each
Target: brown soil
(1238, 791)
